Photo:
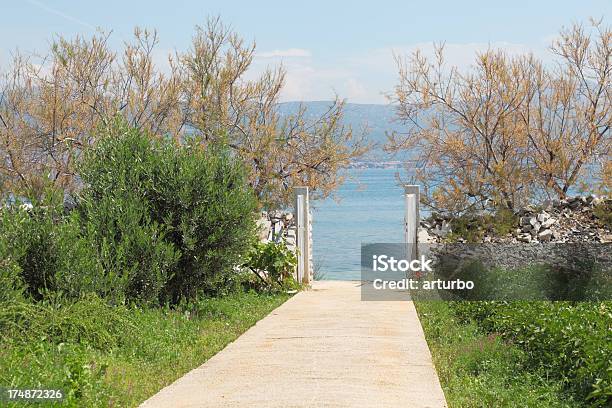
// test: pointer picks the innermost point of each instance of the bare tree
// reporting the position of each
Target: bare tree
(569, 115)
(50, 111)
(464, 127)
(280, 151)
(508, 130)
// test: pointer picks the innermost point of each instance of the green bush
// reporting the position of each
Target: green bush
(478, 369)
(134, 260)
(51, 252)
(155, 223)
(27, 242)
(162, 213)
(89, 321)
(472, 227)
(273, 264)
(603, 213)
(11, 284)
(11, 281)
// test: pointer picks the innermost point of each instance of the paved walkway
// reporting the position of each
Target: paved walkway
(322, 348)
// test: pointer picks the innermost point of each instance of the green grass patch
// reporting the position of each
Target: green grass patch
(117, 356)
(569, 341)
(480, 369)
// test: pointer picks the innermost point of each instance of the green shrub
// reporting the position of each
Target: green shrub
(155, 223)
(89, 321)
(273, 264)
(182, 215)
(603, 213)
(11, 281)
(11, 284)
(53, 252)
(78, 270)
(473, 227)
(134, 260)
(27, 241)
(478, 369)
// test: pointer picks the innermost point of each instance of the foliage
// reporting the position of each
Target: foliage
(89, 321)
(154, 223)
(53, 252)
(12, 285)
(273, 263)
(473, 227)
(49, 117)
(481, 370)
(510, 130)
(39, 245)
(176, 218)
(603, 213)
(568, 341)
(26, 240)
(109, 355)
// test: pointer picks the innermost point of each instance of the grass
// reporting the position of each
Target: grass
(117, 356)
(482, 370)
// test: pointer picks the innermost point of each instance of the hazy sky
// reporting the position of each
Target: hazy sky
(327, 47)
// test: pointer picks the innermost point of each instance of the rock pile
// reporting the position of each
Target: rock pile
(569, 220)
(277, 226)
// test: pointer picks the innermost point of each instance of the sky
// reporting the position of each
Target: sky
(328, 48)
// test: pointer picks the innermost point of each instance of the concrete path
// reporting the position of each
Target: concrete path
(322, 348)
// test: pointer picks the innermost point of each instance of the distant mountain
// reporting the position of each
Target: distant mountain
(377, 120)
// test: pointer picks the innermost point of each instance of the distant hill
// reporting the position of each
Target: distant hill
(376, 119)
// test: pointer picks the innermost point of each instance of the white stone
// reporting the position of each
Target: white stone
(549, 223)
(263, 226)
(545, 235)
(443, 230)
(423, 236)
(543, 216)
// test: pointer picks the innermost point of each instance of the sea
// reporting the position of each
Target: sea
(367, 208)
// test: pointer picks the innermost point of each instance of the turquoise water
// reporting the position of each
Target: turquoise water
(371, 209)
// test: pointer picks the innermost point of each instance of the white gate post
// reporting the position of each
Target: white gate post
(302, 217)
(411, 218)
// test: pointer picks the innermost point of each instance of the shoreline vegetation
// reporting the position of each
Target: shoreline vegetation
(521, 353)
(118, 356)
(129, 251)
(154, 268)
(479, 370)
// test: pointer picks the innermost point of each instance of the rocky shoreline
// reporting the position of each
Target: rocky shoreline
(571, 220)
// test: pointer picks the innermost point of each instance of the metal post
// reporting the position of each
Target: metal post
(302, 215)
(411, 218)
